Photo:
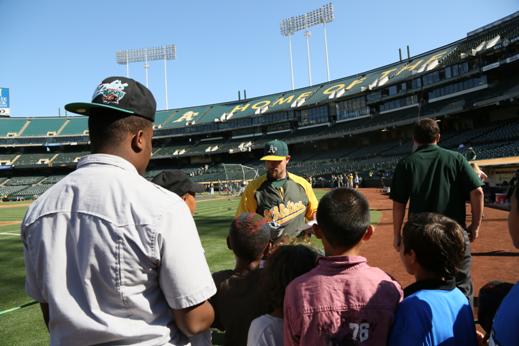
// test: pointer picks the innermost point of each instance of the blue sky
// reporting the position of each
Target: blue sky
(56, 51)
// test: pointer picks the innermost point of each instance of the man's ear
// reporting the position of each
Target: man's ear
(138, 141)
(317, 231)
(228, 240)
(288, 158)
(369, 232)
(413, 256)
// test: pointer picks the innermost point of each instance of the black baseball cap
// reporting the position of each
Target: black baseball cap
(177, 181)
(120, 94)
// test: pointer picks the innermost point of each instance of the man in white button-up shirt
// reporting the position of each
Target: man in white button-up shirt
(111, 257)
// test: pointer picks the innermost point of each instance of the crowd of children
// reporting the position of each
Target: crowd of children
(293, 295)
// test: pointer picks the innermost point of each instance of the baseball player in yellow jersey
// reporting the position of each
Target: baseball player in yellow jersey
(280, 196)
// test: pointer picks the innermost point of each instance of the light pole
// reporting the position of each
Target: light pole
(168, 52)
(287, 31)
(289, 26)
(328, 16)
(308, 34)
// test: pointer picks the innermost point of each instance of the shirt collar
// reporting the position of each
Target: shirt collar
(107, 159)
(426, 146)
(341, 261)
(433, 284)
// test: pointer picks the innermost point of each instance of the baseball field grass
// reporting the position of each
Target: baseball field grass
(24, 326)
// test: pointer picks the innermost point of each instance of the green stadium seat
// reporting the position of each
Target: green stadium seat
(7, 159)
(75, 126)
(53, 179)
(68, 159)
(7, 190)
(30, 191)
(34, 160)
(18, 181)
(11, 126)
(41, 127)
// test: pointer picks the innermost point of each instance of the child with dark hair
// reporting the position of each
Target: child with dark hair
(285, 264)
(342, 301)
(239, 299)
(490, 297)
(504, 328)
(434, 311)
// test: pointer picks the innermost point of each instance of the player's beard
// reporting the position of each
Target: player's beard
(275, 174)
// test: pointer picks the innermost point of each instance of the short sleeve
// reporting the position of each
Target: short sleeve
(311, 209)
(261, 333)
(184, 276)
(408, 328)
(247, 201)
(400, 185)
(255, 334)
(32, 282)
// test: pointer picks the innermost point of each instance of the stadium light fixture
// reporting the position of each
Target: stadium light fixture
(289, 26)
(167, 52)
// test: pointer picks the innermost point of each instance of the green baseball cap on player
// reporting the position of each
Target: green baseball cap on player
(275, 150)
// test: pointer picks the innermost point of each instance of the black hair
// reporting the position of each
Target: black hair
(490, 297)
(249, 236)
(108, 128)
(343, 217)
(437, 241)
(426, 131)
(284, 265)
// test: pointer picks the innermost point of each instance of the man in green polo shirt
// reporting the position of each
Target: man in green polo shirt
(280, 196)
(437, 180)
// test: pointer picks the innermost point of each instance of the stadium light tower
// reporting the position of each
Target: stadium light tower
(287, 31)
(289, 26)
(168, 52)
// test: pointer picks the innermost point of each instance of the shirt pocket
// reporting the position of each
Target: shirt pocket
(138, 267)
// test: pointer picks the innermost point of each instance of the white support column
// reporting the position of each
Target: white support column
(146, 66)
(326, 53)
(166, 78)
(127, 66)
(308, 34)
(291, 61)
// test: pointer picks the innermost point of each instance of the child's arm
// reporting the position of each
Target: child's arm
(398, 220)
(476, 205)
(195, 319)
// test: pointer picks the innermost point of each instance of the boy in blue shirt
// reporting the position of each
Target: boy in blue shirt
(433, 311)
